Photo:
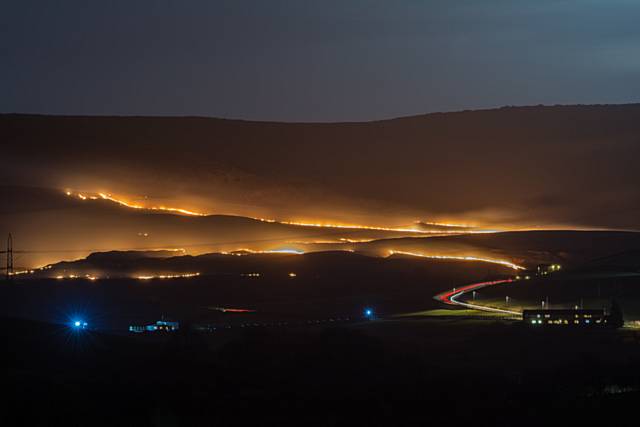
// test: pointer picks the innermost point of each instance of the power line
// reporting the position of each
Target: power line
(9, 257)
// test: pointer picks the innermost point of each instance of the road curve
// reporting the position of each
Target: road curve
(451, 297)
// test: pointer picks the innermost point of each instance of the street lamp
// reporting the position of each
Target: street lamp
(368, 313)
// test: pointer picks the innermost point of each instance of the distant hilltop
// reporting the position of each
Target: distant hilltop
(521, 108)
(508, 168)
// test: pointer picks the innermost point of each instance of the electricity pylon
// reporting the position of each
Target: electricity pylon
(9, 257)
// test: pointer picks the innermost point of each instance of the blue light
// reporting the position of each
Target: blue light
(79, 324)
(368, 312)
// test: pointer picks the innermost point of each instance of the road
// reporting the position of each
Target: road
(451, 297)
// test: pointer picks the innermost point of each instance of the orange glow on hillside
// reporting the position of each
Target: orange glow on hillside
(153, 208)
(377, 228)
(461, 258)
(168, 276)
(353, 226)
(455, 228)
(246, 251)
(121, 202)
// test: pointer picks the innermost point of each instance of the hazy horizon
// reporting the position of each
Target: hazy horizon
(338, 122)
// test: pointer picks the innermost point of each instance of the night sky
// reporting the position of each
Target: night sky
(314, 61)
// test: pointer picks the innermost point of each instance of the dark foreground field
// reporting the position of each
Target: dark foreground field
(325, 285)
(427, 372)
(306, 356)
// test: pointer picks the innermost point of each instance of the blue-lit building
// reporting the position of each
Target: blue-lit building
(159, 326)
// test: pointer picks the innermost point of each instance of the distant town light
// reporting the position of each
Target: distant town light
(159, 326)
(79, 324)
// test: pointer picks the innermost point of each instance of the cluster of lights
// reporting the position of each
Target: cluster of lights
(168, 276)
(30, 271)
(460, 258)
(20, 272)
(250, 275)
(74, 276)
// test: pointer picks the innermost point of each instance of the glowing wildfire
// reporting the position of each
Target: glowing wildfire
(362, 227)
(247, 251)
(107, 196)
(461, 258)
(455, 228)
(168, 276)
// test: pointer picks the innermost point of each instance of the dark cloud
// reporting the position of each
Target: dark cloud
(307, 60)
